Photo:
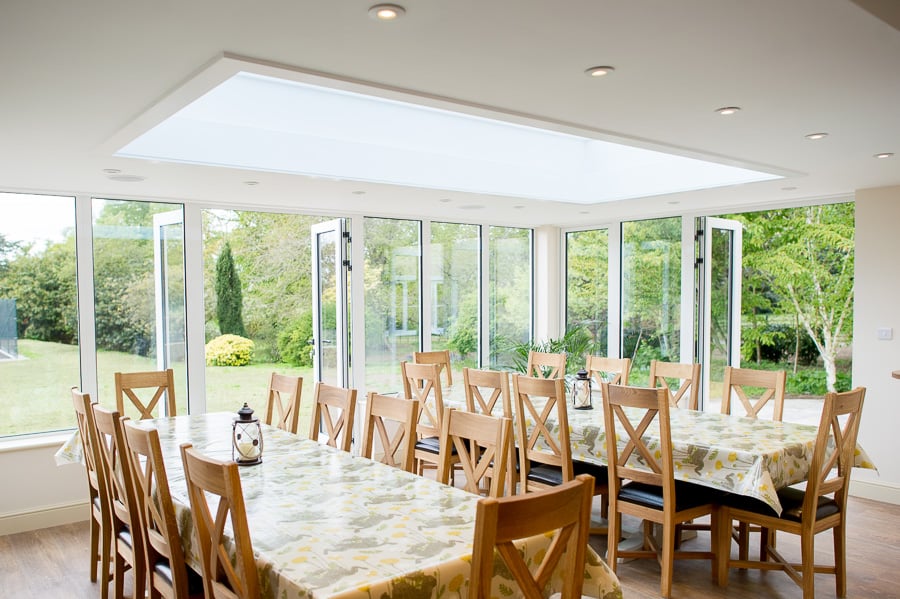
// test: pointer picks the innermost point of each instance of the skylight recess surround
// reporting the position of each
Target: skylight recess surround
(263, 123)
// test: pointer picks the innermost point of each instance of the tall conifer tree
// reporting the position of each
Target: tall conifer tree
(228, 295)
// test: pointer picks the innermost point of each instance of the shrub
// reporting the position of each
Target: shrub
(812, 382)
(229, 350)
(294, 342)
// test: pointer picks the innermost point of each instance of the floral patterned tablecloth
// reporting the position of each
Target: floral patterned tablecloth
(326, 524)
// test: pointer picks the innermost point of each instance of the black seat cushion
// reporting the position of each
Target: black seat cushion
(544, 474)
(125, 536)
(164, 570)
(600, 473)
(687, 495)
(791, 505)
(432, 445)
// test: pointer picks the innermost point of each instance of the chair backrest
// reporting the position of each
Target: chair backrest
(161, 383)
(494, 384)
(394, 421)
(422, 382)
(90, 445)
(482, 446)
(283, 401)
(545, 365)
(564, 510)
(439, 357)
(687, 394)
(608, 370)
(158, 522)
(634, 409)
(120, 485)
(223, 576)
(334, 409)
(541, 407)
(743, 382)
(830, 473)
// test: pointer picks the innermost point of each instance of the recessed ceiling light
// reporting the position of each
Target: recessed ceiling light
(884, 155)
(599, 71)
(126, 178)
(386, 12)
(358, 192)
(789, 188)
(472, 207)
(728, 110)
(584, 212)
(251, 183)
(445, 200)
(815, 136)
(518, 207)
(112, 171)
(673, 202)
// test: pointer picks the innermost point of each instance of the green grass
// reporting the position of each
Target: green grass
(35, 397)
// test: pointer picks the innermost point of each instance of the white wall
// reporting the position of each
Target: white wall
(877, 305)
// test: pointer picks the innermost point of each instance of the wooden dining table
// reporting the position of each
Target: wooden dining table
(740, 455)
(324, 523)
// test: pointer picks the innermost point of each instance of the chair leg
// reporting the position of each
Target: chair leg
(119, 577)
(613, 534)
(808, 564)
(106, 546)
(668, 560)
(95, 547)
(743, 541)
(722, 546)
(840, 560)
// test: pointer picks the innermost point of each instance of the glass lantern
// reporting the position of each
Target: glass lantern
(246, 438)
(581, 391)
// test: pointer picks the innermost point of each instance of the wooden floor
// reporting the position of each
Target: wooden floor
(53, 563)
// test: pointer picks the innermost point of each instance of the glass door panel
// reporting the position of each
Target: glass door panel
(168, 249)
(329, 278)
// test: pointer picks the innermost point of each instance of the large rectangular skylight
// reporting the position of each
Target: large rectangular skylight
(258, 122)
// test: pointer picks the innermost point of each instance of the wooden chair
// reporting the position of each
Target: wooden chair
(480, 444)
(167, 575)
(222, 577)
(495, 385)
(440, 357)
(545, 365)
(545, 452)
(398, 446)
(769, 383)
(161, 382)
(564, 510)
(687, 374)
(334, 408)
(127, 542)
(422, 382)
(608, 370)
(284, 397)
(101, 517)
(652, 493)
(807, 512)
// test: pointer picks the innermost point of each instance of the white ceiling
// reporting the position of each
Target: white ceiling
(77, 76)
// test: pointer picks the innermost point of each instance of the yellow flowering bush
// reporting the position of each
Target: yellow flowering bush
(229, 350)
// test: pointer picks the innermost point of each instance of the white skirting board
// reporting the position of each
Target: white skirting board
(887, 493)
(44, 517)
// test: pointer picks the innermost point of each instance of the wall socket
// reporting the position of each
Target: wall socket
(885, 334)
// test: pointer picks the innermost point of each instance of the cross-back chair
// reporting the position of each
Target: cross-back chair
(422, 382)
(480, 444)
(334, 409)
(167, 575)
(608, 370)
(101, 518)
(487, 392)
(127, 541)
(224, 577)
(740, 383)
(161, 386)
(681, 382)
(564, 511)
(393, 421)
(439, 357)
(821, 506)
(283, 402)
(642, 479)
(545, 365)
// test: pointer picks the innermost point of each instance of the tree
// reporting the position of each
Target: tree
(807, 254)
(228, 295)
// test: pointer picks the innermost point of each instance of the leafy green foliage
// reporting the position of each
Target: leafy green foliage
(229, 302)
(295, 341)
(576, 344)
(464, 332)
(812, 382)
(229, 350)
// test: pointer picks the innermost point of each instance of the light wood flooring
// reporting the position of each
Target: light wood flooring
(53, 563)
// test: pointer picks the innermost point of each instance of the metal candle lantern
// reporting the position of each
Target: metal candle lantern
(581, 391)
(246, 438)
